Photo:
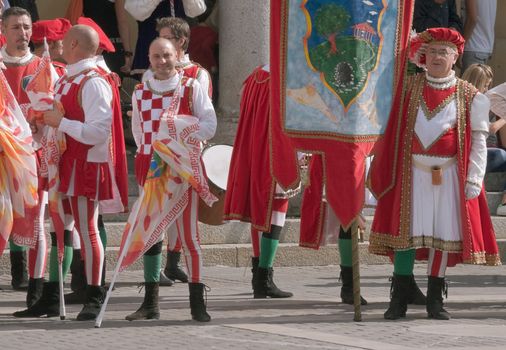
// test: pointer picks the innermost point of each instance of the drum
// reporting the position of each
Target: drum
(216, 160)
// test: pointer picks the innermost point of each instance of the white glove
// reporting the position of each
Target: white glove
(472, 190)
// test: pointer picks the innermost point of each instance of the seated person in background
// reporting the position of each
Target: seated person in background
(480, 75)
(496, 156)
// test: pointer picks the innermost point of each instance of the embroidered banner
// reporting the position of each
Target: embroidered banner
(336, 66)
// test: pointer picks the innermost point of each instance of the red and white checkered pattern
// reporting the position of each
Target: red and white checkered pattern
(151, 106)
(63, 85)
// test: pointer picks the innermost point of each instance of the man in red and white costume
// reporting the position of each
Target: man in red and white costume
(20, 66)
(177, 31)
(428, 173)
(84, 170)
(149, 101)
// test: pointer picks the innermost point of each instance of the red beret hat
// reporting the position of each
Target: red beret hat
(104, 42)
(52, 30)
(443, 36)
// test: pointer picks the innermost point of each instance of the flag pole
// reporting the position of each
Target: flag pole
(355, 261)
(63, 313)
(100, 317)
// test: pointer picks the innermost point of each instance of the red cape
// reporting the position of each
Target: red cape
(250, 187)
(118, 138)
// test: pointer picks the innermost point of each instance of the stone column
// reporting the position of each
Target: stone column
(244, 44)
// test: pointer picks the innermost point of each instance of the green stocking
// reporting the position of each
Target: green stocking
(152, 266)
(345, 251)
(16, 248)
(268, 248)
(404, 262)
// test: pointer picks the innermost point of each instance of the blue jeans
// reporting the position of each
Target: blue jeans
(496, 161)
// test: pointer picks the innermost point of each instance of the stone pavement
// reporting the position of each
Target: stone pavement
(312, 319)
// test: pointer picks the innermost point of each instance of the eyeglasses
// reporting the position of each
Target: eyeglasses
(441, 52)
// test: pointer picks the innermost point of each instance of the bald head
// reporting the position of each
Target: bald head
(163, 58)
(161, 43)
(79, 43)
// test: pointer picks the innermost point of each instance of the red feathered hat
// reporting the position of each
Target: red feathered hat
(443, 36)
(104, 42)
(52, 30)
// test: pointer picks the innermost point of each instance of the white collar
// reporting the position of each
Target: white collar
(82, 65)
(16, 60)
(441, 83)
(164, 85)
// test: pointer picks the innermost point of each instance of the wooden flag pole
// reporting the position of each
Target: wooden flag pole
(355, 261)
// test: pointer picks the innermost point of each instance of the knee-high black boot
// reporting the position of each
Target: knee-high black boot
(197, 304)
(254, 271)
(172, 269)
(34, 292)
(347, 287)
(19, 273)
(48, 304)
(398, 297)
(149, 309)
(94, 300)
(78, 280)
(435, 299)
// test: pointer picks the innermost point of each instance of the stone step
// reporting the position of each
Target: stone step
(239, 232)
(236, 255)
(494, 199)
(494, 182)
(293, 209)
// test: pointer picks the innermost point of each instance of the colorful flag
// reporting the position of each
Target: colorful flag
(175, 169)
(18, 173)
(335, 68)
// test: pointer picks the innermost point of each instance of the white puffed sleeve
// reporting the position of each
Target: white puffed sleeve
(480, 109)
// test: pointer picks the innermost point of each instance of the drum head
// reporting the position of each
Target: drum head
(216, 160)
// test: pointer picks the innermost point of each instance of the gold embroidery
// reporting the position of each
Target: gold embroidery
(431, 114)
(435, 140)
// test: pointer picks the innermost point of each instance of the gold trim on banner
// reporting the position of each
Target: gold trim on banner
(284, 12)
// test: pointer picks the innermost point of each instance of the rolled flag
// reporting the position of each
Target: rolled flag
(40, 91)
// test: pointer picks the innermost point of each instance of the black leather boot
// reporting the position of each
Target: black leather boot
(94, 300)
(35, 286)
(78, 280)
(398, 297)
(415, 295)
(197, 304)
(172, 269)
(265, 286)
(149, 309)
(48, 304)
(435, 290)
(347, 287)
(19, 273)
(254, 271)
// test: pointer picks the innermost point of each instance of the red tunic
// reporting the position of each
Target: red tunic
(390, 181)
(91, 179)
(150, 120)
(18, 76)
(59, 68)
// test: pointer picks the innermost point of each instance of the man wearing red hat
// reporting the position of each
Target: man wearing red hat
(427, 175)
(21, 65)
(53, 30)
